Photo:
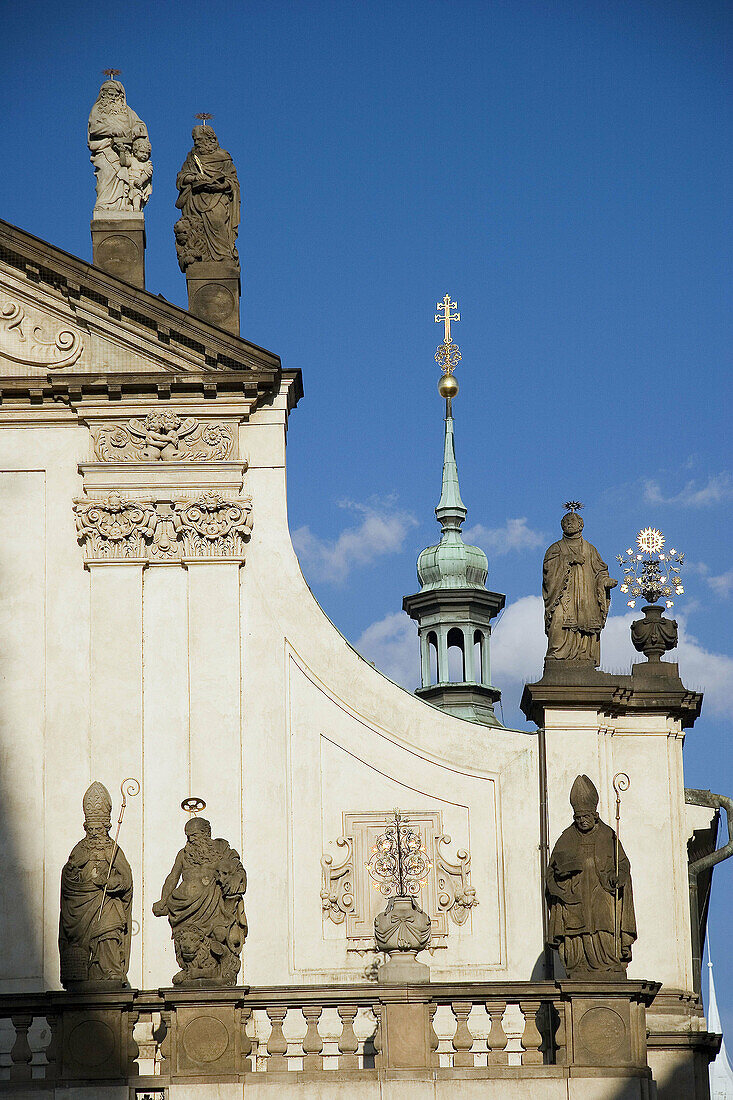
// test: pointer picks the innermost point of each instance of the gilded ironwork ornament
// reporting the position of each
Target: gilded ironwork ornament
(399, 864)
(447, 354)
(651, 573)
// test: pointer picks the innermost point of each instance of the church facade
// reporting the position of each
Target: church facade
(159, 640)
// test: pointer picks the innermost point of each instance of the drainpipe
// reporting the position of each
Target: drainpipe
(549, 961)
(705, 863)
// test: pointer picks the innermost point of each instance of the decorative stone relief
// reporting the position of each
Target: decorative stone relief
(348, 897)
(27, 337)
(116, 528)
(163, 437)
(212, 526)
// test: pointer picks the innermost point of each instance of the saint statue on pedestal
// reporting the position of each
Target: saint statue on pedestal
(576, 589)
(120, 152)
(202, 898)
(96, 902)
(592, 922)
(209, 203)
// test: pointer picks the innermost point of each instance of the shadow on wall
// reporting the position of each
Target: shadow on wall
(22, 689)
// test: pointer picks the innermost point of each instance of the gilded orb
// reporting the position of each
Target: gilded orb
(447, 386)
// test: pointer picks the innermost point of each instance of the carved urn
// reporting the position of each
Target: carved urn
(401, 931)
(654, 635)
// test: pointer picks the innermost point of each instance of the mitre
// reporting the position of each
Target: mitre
(97, 805)
(583, 795)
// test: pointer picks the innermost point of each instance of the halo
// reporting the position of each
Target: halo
(193, 805)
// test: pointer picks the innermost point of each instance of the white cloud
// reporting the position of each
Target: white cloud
(391, 643)
(518, 642)
(717, 490)
(722, 584)
(381, 530)
(514, 535)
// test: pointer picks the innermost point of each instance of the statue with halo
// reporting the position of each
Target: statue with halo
(120, 152)
(576, 591)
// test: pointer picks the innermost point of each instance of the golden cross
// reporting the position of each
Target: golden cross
(446, 306)
(111, 73)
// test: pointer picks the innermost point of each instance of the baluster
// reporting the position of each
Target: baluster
(162, 1036)
(245, 1043)
(377, 1040)
(277, 1044)
(532, 1038)
(497, 1038)
(348, 1042)
(463, 1039)
(561, 1036)
(133, 1050)
(312, 1041)
(21, 1053)
(434, 1056)
(52, 1049)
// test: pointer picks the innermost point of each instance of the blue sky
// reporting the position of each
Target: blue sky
(562, 169)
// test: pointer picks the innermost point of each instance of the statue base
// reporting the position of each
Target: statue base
(213, 294)
(118, 245)
(402, 968)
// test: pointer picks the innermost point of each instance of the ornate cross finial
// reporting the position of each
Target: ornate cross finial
(447, 353)
(204, 116)
(446, 306)
(573, 505)
(111, 73)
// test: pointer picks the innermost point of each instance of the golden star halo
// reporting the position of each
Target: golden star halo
(650, 540)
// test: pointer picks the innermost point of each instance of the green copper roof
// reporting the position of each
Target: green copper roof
(451, 564)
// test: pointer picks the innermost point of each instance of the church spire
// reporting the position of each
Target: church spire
(453, 609)
(451, 511)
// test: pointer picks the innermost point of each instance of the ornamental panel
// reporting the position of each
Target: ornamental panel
(349, 897)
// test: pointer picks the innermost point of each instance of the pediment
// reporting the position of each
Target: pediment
(61, 316)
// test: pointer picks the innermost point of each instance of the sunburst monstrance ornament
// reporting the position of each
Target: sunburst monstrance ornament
(649, 572)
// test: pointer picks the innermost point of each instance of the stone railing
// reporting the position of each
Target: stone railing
(151, 1040)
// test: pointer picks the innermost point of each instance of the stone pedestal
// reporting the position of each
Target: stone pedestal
(205, 1036)
(213, 294)
(94, 1036)
(605, 1027)
(118, 246)
(405, 1033)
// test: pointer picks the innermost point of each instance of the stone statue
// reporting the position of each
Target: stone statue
(120, 152)
(592, 923)
(576, 590)
(95, 925)
(202, 898)
(209, 203)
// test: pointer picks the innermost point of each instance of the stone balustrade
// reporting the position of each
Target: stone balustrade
(157, 1039)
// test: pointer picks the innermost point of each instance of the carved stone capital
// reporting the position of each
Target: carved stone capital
(114, 528)
(118, 528)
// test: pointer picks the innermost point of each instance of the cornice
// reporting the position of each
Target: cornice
(43, 263)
